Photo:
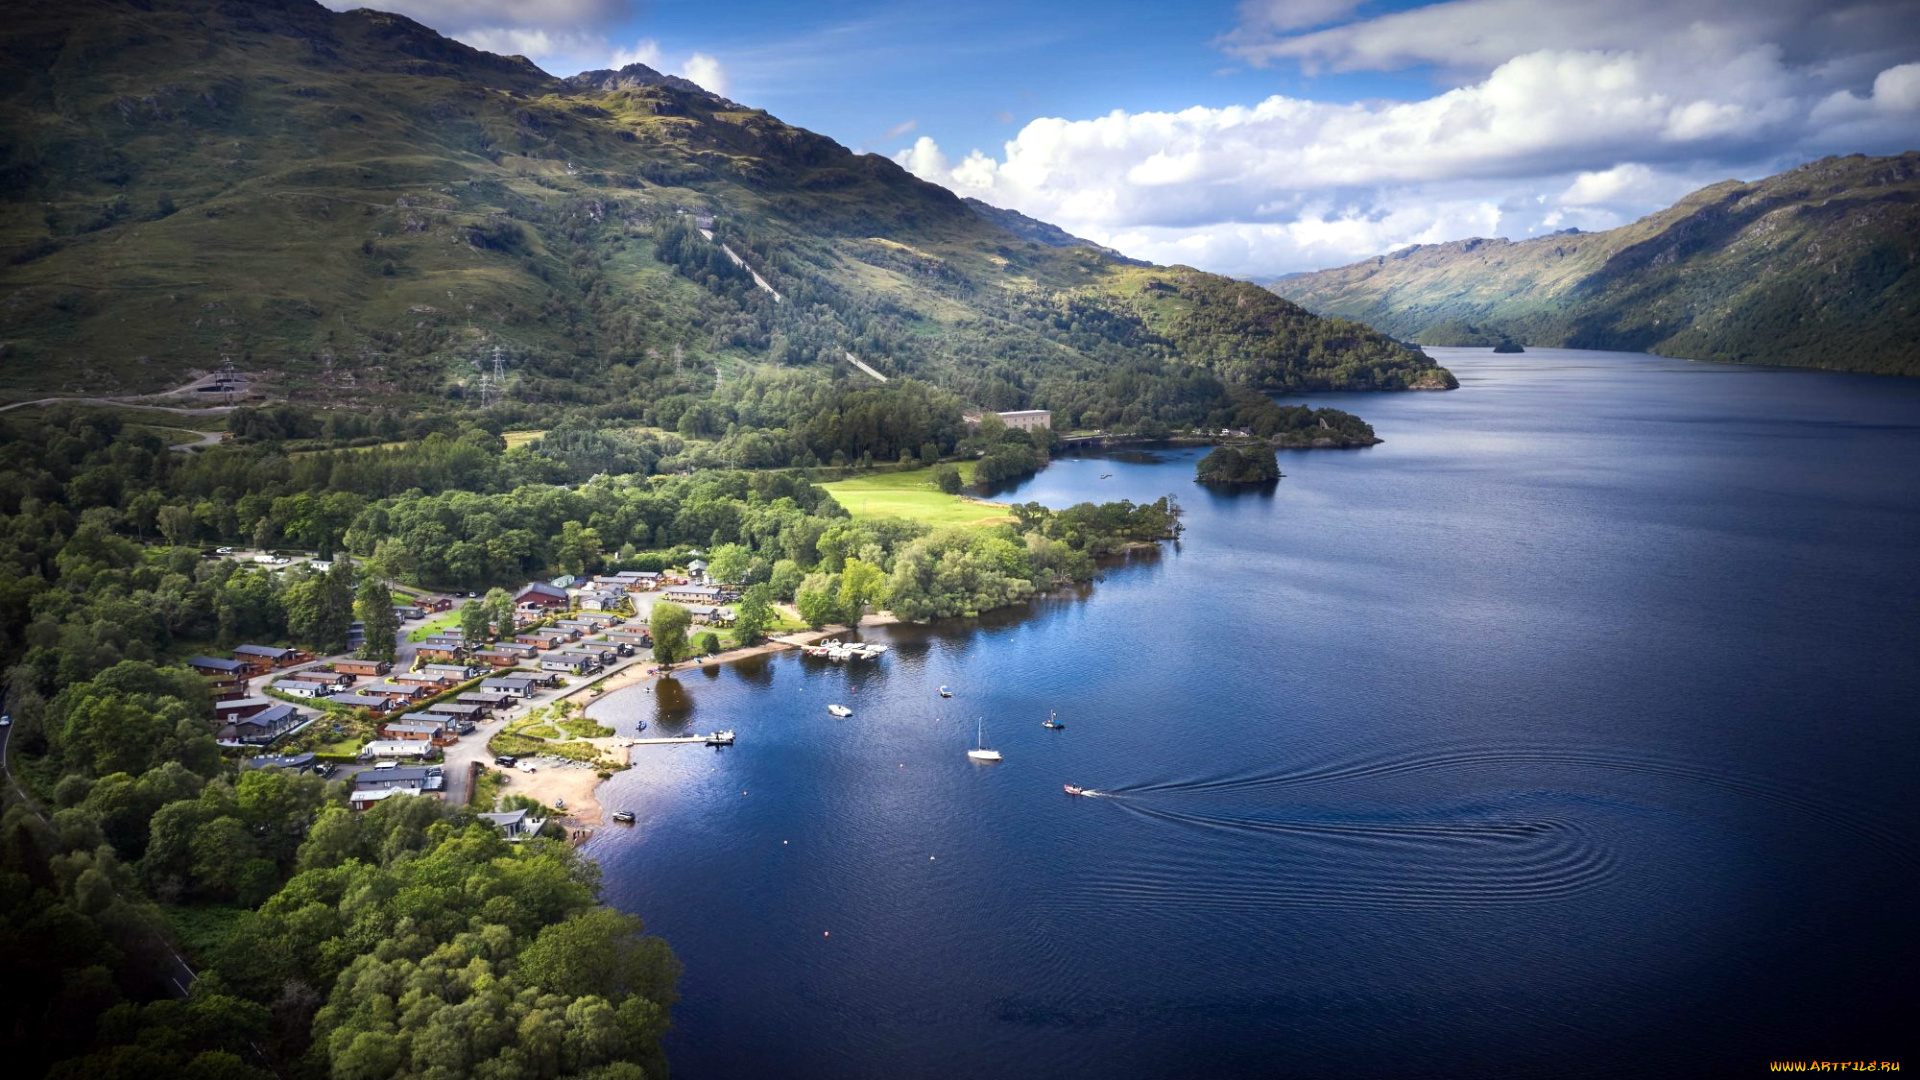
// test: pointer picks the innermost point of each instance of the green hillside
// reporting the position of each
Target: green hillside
(364, 212)
(1816, 267)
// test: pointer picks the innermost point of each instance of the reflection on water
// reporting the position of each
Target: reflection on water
(1530, 742)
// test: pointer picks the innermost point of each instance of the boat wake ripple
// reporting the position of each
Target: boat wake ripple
(1358, 864)
(1819, 804)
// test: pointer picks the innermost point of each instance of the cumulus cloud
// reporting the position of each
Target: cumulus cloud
(706, 71)
(645, 51)
(1573, 122)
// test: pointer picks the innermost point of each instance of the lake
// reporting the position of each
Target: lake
(1571, 731)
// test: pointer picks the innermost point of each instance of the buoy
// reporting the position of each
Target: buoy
(826, 933)
(783, 841)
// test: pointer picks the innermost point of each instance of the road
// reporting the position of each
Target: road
(862, 365)
(119, 403)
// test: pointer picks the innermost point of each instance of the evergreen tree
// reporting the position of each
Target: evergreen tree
(377, 618)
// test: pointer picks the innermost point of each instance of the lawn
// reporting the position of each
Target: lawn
(520, 438)
(434, 626)
(912, 495)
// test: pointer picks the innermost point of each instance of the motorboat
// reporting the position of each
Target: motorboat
(1052, 722)
(624, 817)
(980, 751)
(1072, 790)
(944, 692)
(840, 711)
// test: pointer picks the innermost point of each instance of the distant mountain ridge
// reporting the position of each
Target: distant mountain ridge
(371, 213)
(1818, 266)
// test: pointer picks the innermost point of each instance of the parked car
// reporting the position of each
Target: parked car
(528, 766)
(506, 761)
(223, 551)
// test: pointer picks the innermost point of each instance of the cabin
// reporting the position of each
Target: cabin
(373, 785)
(693, 594)
(457, 672)
(371, 702)
(713, 616)
(540, 640)
(408, 612)
(601, 652)
(436, 604)
(603, 599)
(518, 648)
(362, 667)
(638, 635)
(264, 726)
(408, 731)
(620, 648)
(293, 762)
(540, 596)
(572, 664)
(442, 652)
(268, 657)
(330, 678)
(489, 699)
(444, 640)
(518, 686)
(303, 688)
(499, 658)
(1017, 419)
(459, 710)
(514, 824)
(396, 691)
(239, 707)
(356, 636)
(214, 667)
(430, 679)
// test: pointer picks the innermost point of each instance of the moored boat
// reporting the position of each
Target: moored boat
(624, 817)
(1052, 721)
(980, 751)
(840, 711)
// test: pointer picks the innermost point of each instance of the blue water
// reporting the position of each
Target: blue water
(1569, 732)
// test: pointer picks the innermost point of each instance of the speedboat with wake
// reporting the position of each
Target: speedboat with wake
(1075, 790)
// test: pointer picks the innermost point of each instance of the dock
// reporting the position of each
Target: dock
(716, 738)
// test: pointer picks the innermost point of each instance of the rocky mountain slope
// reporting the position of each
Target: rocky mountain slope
(1817, 267)
(371, 213)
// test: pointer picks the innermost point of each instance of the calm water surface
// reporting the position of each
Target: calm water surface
(1569, 732)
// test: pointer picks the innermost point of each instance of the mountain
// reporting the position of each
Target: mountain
(1818, 266)
(1041, 232)
(369, 213)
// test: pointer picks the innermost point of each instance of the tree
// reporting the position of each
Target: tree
(707, 643)
(861, 583)
(947, 479)
(818, 599)
(178, 524)
(729, 562)
(474, 623)
(669, 624)
(754, 614)
(320, 610)
(382, 627)
(499, 604)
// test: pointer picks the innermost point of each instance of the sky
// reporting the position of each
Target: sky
(1270, 136)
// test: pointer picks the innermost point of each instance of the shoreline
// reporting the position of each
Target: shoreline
(580, 785)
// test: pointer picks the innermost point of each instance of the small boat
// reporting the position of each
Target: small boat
(980, 751)
(1106, 476)
(840, 711)
(1051, 722)
(559, 804)
(624, 817)
(944, 692)
(641, 726)
(1072, 790)
(720, 738)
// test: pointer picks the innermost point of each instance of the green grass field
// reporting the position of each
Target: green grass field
(912, 495)
(446, 621)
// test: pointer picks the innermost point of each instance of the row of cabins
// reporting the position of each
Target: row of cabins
(255, 721)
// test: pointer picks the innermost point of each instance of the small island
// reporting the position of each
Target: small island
(1233, 465)
(1508, 347)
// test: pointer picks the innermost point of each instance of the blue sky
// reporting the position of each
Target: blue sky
(1268, 136)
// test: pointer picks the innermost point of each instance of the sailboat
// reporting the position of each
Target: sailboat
(980, 751)
(1051, 721)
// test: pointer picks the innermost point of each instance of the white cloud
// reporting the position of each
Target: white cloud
(1282, 15)
(645, 51)
(706, 71)
(1574, 121)
(898, 130)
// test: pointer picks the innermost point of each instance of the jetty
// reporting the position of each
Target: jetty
(832, 649)
(713, 738)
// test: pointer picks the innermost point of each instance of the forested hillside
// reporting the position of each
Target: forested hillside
(370, 213)
(1816, 267)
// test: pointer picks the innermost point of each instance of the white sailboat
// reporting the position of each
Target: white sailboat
(980, 751)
